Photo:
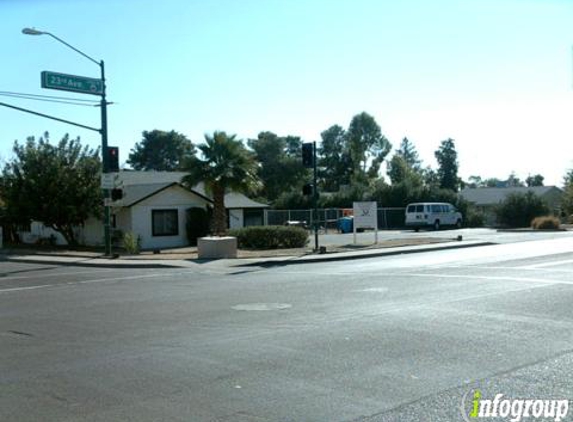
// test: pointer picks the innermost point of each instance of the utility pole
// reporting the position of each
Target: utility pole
(93, 89)
(315, 196)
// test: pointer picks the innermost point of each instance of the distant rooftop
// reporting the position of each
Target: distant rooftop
(490, 196)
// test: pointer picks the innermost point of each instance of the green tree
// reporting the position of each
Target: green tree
(535, 180)
(58, 185)
(161, 151)
(367, 146)
(567, 198)
(409, 153)
(431, 178)
(226, 166)
(494, 182)
(519, 209)
(475, 182)
(447, 157)
(280, 167)
(335, 162)
(293, 146)
(568, 178)
(513, 181)
(399, 171)
(406, 166)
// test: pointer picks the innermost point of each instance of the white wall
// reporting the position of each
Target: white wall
(174, 198)
(236, 220)
(123, 219)
(91, 233)
(39, 231)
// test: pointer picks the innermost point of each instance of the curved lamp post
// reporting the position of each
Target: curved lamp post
(103, 130)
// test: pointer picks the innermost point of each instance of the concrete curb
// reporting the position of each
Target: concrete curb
(528, 230)
(255, 262)
(91, 263)
(372, 253)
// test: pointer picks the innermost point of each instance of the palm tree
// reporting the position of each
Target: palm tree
(226, 165)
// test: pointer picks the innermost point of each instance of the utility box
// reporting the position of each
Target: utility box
(217, 247)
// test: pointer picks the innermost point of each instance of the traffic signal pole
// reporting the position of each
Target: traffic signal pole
(105, 162)
(315, 197)
(102, 130)
(309, 161)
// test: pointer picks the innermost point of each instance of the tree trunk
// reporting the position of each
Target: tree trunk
(219, 212)
(68, 233)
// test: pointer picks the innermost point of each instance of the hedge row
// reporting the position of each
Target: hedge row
(270, 237)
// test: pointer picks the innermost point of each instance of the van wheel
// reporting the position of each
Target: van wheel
(417, 229)
(437, 225)
(459, 224)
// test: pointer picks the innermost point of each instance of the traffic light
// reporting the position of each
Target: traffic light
(113, 159)
(308, 154)
(116, 194)
(307, 189)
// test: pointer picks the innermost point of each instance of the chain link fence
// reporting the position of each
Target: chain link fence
(327, 218)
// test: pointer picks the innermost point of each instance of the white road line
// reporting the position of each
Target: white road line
(99, 280)
(548, 264)
(24, 277)
(490, 267)
(492, 278)
(16, 289)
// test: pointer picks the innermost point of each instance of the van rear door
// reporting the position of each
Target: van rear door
(415, 214)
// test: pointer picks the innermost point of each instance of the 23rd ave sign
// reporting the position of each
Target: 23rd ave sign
(64, 82)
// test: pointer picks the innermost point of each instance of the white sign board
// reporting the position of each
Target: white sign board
(107, 180)
(365, 217)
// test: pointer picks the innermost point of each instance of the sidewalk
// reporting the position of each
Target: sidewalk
(187, 257)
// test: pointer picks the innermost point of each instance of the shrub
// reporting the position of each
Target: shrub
(197, 224)
(270, 237)
(518, 209)
(545, 223)
(474, 217)
(131, 243)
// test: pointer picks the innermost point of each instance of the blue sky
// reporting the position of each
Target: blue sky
(495, 75)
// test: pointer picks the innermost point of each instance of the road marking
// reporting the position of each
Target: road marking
(100, 280)
(23, 277)
(549, 264)
(495, 267)
(16, 289)
(492, 278)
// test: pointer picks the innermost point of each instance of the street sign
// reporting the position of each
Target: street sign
(365, 217)
(63, 82)
(108, 181)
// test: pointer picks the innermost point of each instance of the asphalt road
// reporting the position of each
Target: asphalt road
(399, 338)
(474, 234)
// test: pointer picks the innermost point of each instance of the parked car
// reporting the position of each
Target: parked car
(297, 223)
(432, 215)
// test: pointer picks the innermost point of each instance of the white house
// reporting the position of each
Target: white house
(154, 207)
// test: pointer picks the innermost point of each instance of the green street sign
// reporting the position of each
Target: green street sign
(63, 82)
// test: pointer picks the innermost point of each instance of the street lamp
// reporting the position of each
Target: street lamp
(103, 131)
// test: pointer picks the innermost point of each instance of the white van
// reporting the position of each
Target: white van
(432, 214)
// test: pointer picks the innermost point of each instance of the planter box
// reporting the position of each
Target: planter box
(217, 247)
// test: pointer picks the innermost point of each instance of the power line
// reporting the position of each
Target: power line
(50, 98)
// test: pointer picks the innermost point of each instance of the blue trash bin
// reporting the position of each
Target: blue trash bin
(345, 224)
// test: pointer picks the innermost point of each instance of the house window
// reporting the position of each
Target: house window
(253, 217)
(165, 222)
